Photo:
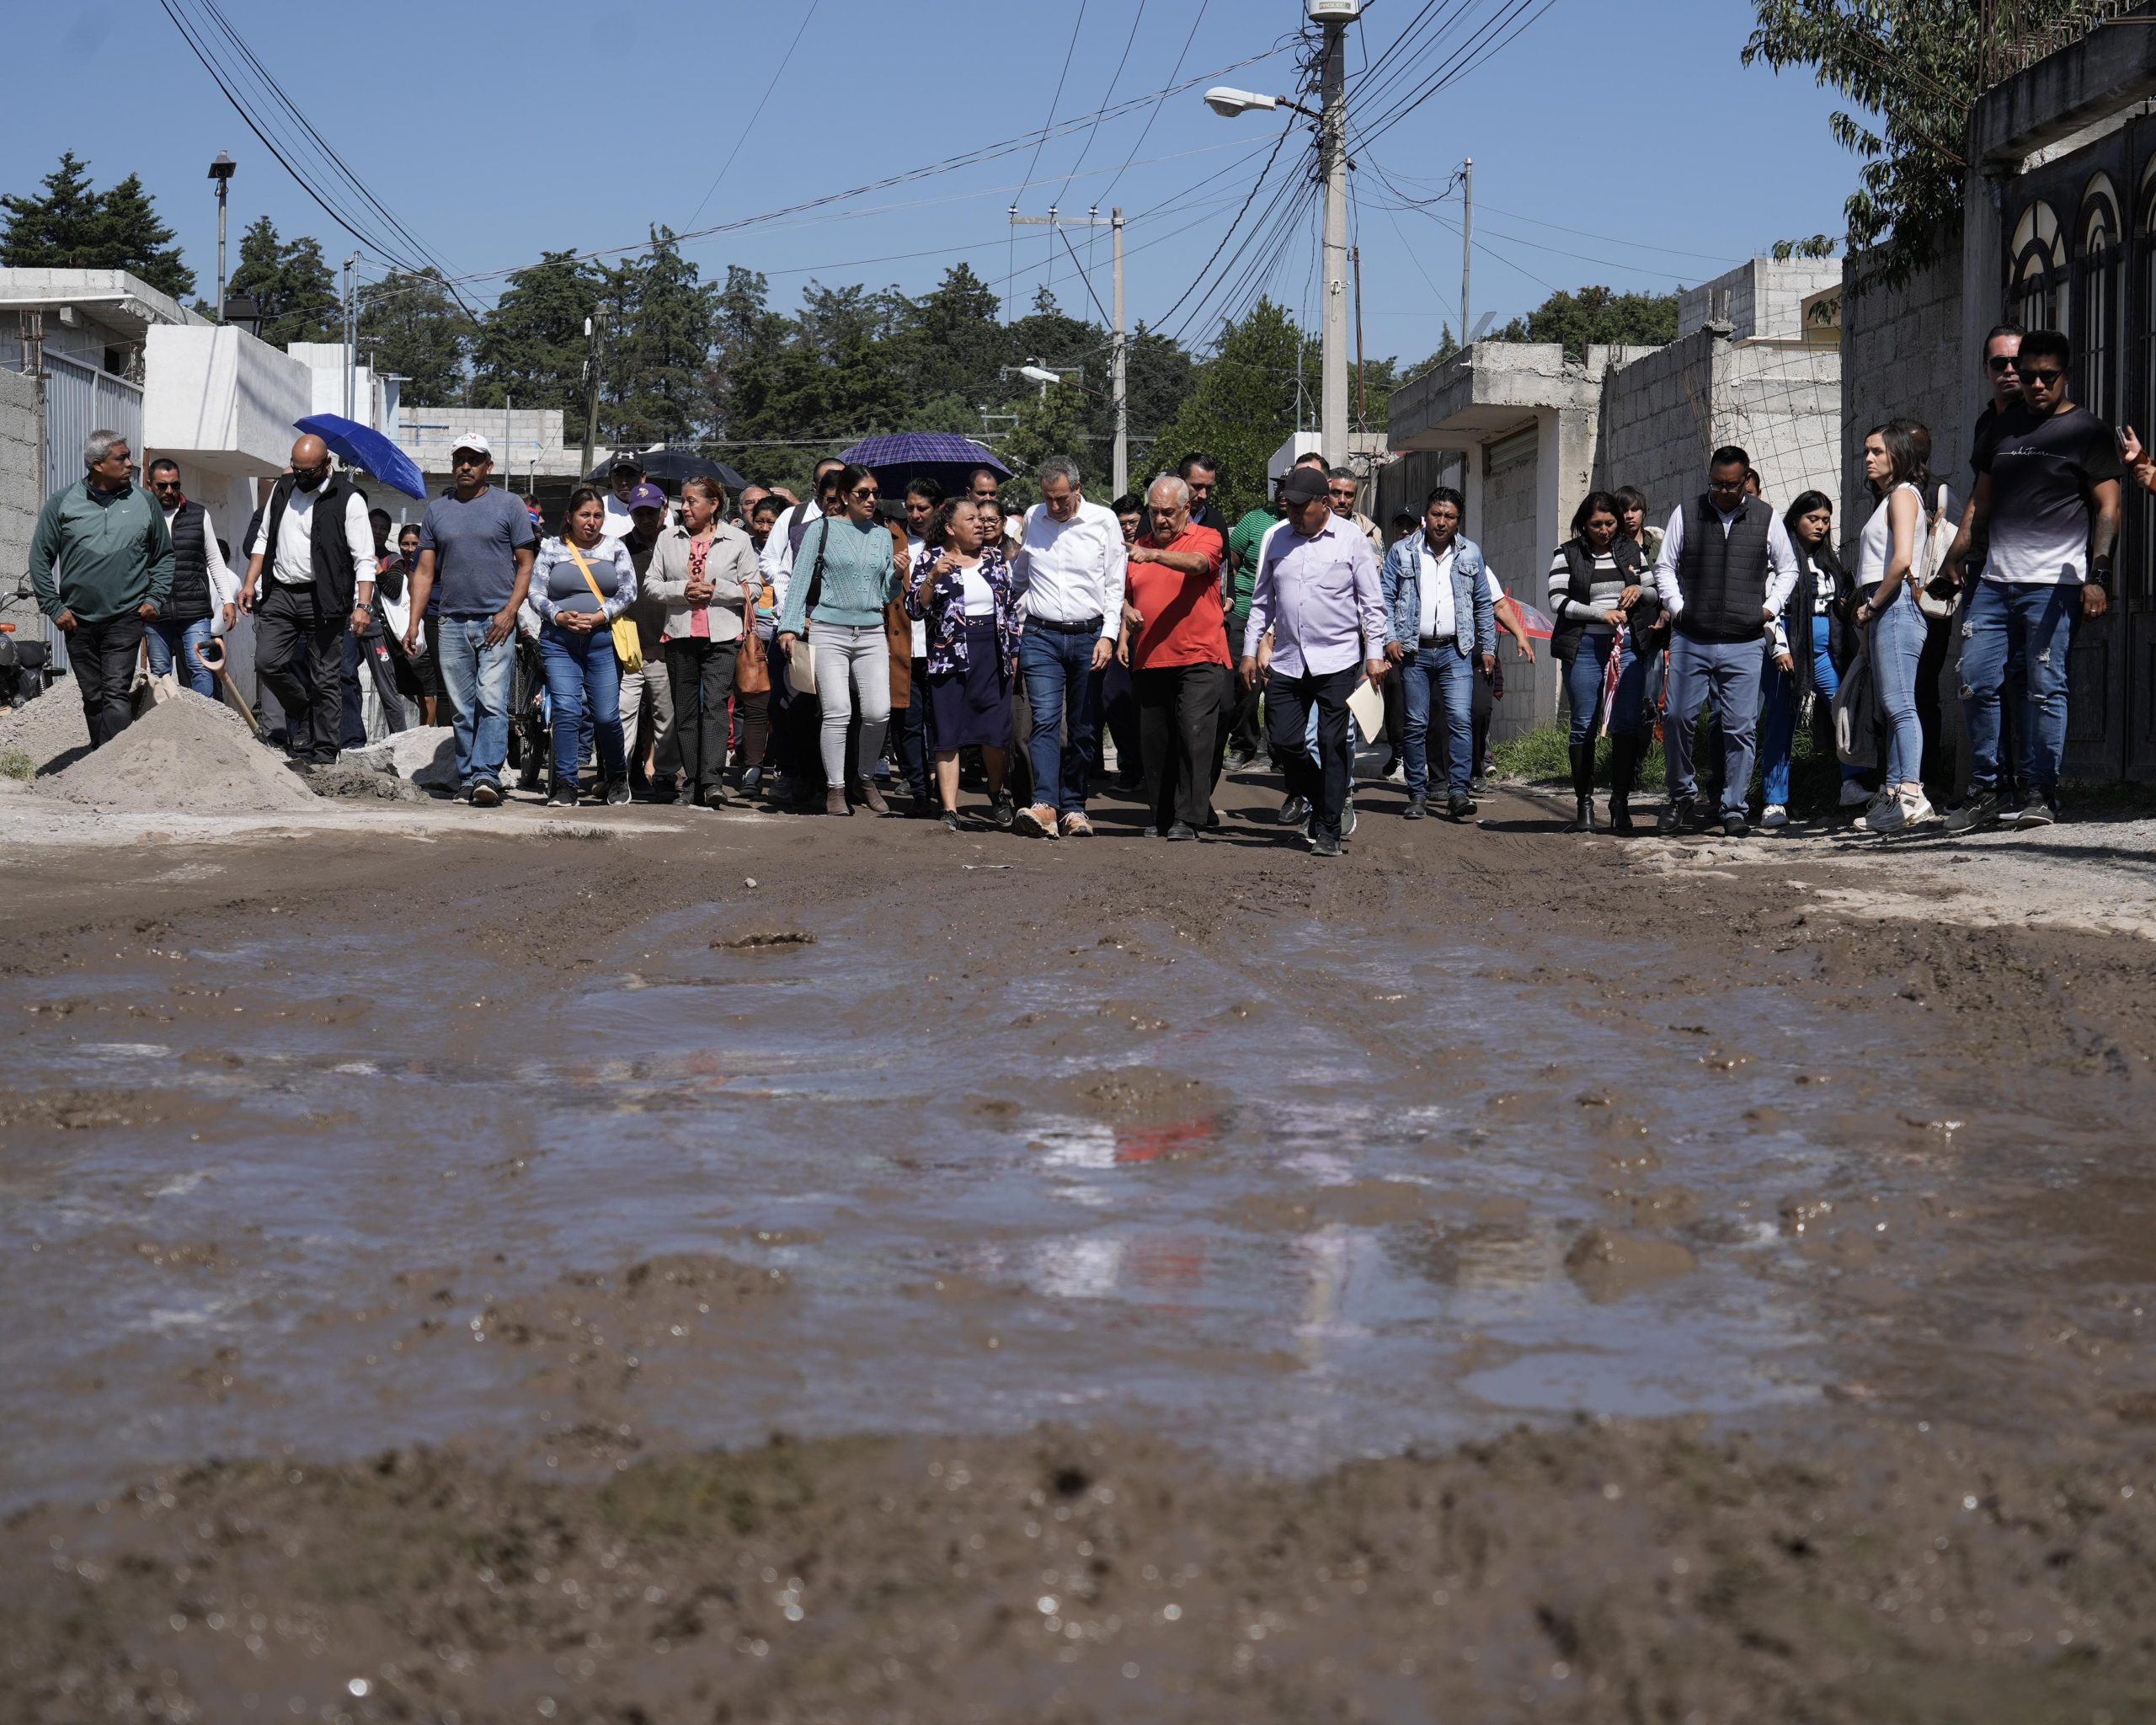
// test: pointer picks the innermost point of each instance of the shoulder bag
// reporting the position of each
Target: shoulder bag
(628, 644)
(1856, 709)
(801, 664)
(1936, 596)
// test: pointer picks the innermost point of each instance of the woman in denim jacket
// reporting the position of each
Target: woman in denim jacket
(1442, 627)
(968, 596)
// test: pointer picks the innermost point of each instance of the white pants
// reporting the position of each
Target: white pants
(851, 663)
(652, 682)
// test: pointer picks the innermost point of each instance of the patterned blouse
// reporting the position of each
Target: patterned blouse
(944, 607)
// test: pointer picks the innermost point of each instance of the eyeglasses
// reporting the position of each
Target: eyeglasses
(164, 484)
(465, 458)
(2041, 376)
(2002, 362)
(862, 491)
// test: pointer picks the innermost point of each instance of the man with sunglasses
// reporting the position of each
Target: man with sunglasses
(204, 591)
(478, 542)
(2046, 505)
(309, 578)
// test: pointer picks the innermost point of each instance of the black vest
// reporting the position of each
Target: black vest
(1565, 643)
(189, 602)
(335, 575)
(1724, 577)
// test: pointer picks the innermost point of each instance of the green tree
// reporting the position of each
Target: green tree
(531, 347)
(1241, 406)
(415, 328)
(1598, 316)
(291, 285)
(69, 225)
(1050, 422)
(951, 343)
(1913, 69)
(667, 318)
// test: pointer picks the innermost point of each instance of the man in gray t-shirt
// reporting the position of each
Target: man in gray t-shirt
(478, 543)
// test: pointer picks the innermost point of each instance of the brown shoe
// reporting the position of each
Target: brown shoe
(834, 802)
(872, 799)
(1076, 826)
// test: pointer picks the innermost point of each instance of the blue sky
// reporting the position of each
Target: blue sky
(1613, 142)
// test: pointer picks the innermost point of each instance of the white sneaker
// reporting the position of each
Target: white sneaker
(1854, 795)
(1774, 817)
(1874, 810)
(1917, 810)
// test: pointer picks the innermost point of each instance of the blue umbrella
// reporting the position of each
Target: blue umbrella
(359, 446)
(900, 460)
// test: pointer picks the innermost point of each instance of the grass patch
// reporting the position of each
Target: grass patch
(15, 764)
(1543, 758)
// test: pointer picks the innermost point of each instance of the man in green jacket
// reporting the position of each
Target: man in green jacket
(101, 567)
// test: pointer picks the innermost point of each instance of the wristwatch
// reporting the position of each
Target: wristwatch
(2100, 572)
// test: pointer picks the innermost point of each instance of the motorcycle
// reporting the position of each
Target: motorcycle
(26, 669)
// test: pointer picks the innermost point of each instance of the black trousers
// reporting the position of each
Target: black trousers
(1178, 730)
(368, 655)
(700, 674)
(1287, 702)
(299, 654)
(102, 657)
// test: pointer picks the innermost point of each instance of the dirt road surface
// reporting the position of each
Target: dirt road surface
(653, 1267)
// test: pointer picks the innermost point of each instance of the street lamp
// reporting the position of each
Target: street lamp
(221, 170)
(1227, 101)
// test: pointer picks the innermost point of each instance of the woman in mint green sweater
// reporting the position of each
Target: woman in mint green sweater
(843, 577)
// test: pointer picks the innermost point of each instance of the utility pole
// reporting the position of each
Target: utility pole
(351, 336)
(594, 331)
(1467, 253)
(1332, 154)
(1362, 387)
(221, 170)
(1119, 370)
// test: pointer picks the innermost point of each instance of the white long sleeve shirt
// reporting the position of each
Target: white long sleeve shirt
(1073, 571)
(775, 562)
(293, 563)
(1781, 563)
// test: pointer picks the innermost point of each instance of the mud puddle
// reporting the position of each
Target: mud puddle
(1346, 1195)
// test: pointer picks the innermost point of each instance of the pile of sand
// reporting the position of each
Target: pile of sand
(186, 755)
(426, 754)
(46, 728)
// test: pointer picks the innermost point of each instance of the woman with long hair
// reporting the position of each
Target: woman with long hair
(965, 595)
(580, 583)
(705, 569)
(1808, 648)
(1897, 461)
(1598, 594)
(844, 575)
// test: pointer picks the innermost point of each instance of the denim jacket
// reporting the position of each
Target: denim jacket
(1401, 579)
(944, 609)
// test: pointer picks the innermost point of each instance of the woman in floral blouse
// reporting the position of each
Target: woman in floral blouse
(969, 599)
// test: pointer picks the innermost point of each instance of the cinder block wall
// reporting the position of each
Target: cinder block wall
(1510, 536)
(1783, 405)
(1902, 357)
(1657, 423)
(22, 491)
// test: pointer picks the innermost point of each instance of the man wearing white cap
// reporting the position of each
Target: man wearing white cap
(479, 544)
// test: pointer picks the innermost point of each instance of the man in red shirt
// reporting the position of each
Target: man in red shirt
(1175, 646)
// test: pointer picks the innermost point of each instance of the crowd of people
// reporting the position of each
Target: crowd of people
(816, 653)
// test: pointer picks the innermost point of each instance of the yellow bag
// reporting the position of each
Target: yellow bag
(628, 643)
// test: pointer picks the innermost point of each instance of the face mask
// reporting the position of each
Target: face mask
(310, 481)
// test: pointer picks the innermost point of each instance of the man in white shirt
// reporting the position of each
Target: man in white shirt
(204, 591)
(1727, 568)
(621, 514)
(310, 580)
(1070, 565)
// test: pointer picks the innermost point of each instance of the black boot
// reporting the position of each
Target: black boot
(1624, 767)
(1584, 787)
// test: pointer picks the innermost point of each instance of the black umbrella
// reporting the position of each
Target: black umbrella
(668, 468)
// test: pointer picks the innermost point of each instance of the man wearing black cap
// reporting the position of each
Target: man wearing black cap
(1318, 593)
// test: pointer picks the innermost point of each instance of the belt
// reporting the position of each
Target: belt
(1090, 625)
(1440, 641)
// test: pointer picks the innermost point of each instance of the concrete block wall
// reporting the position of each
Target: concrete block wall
(1657, 422)
(22, 492)
(1782, 402)
(1761, 300)
(1902, 357)
(1510, 534)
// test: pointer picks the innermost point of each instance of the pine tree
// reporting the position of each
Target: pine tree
(291, 285)
(1242, 407)
(413, 326)
(669, 316)
(69, 225)
(532, 348)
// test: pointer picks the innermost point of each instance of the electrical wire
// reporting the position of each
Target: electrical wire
(1175, 72)
(784, 62)
(1129, 42)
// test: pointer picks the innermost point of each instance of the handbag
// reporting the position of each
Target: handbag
(628, 643)
(801, 662)
(1936, 596)
(1856, 709)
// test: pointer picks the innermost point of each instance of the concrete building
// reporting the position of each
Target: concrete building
(22, 490)
(1525, 431)
(2058, 231)
(530, 453)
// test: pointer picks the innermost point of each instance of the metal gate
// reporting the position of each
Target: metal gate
(79, 399)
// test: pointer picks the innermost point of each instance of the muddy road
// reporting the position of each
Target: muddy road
(481, 1271)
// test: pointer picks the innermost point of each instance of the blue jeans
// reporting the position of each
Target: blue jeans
(479, 681)
(1433, 676)
(584, 681)
(1897, 644)
(1064, 690)
(2036, 624)
(1726, 673)
(1583, 687)
(1779, 742)
(169, 641)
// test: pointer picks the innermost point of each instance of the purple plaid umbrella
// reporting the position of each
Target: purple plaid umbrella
(898, 461)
